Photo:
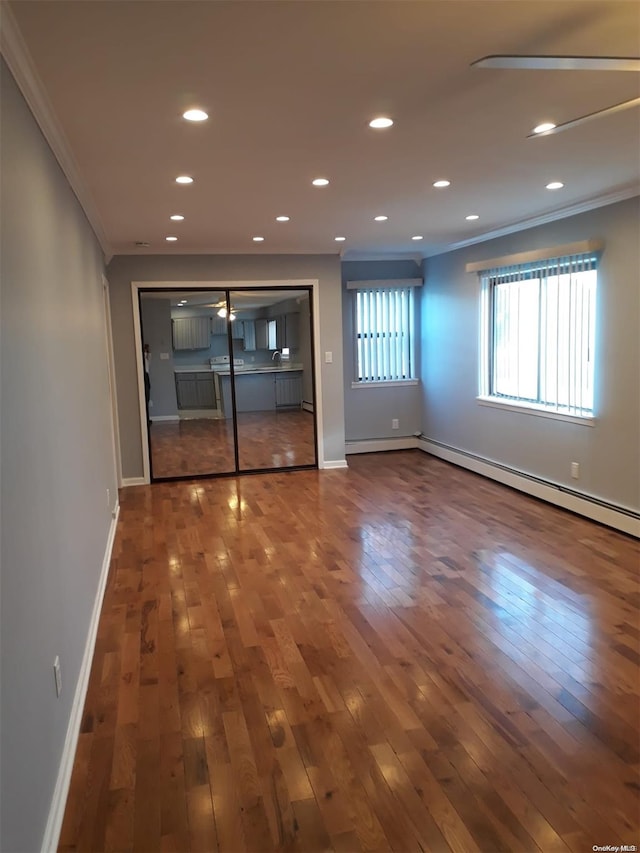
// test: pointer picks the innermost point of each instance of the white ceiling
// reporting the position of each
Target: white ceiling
(290, 88)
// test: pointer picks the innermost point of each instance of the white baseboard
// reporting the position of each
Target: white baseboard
(159, 418)
(200, 414)
(58, 803)
(308, 407)
(330, 464)
(375, 445)
(134, 481)
(555, 493)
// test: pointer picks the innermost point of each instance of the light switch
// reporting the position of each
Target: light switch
(164, 356)
(328, 357)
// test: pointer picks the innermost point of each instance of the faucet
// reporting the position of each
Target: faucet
(279, 354)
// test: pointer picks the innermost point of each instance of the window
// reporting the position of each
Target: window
(384, 323)
(538, 323)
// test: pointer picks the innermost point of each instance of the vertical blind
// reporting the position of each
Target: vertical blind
(539, 333)
(384, 319)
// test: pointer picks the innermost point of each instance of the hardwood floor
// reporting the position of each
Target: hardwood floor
(205, 445)
(400, 656)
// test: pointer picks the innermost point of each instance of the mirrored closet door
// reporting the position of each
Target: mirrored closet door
(229, 380)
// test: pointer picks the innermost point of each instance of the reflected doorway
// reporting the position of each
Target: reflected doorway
(230, 380)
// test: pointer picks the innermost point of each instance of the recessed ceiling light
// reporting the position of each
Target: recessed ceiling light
(182, 302)
(320, 182)
(184, 179)
(171, 239)
(472, 216)
(177, 217)
(545, 127)
(257, 239)
(381, 218)
(339, 239)
(381, 121)
(195, 115)
(282, 218)
(555, 185)
(440, 184)
(418, 237)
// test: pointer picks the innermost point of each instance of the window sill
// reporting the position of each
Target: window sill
(391, 383)
(538, 411)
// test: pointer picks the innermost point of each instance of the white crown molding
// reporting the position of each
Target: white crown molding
(17, 56)
(355, 255)
(611, 197)
(215, 250)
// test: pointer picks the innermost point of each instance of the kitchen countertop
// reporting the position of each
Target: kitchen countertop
(196, 368)
(252, 370)
(247, 368)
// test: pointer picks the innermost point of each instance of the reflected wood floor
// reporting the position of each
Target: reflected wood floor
(398, 656)
(194, 446)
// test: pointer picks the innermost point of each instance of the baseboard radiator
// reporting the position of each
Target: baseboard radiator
(613, 515)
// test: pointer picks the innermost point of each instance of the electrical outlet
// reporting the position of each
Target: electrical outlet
(395, 423)
(575, 470)
(57, 674)
(328, 358)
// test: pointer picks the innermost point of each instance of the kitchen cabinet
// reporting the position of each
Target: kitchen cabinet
(191, 333)
(292, 330)
(262, 391)
(288, 331)
(288, 390)
(249, 336)
(218, 325)
(195, 391)
(205, 392)
(262, 334)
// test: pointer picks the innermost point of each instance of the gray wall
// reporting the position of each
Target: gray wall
(156, 331)
(124, 269)
(56, 461)
(609, 451)
(369, 411)
(219, 343)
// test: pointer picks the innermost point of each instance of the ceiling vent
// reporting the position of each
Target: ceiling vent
(142, 244)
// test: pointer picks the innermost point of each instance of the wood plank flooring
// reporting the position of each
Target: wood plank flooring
(400, 656)
(188, 447)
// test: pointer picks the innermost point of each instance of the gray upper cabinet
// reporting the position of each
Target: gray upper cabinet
(191, 333)
(249, 335)
(276, 333)
(288, 331)
(218, 325)
(262, 334)
(292, 331)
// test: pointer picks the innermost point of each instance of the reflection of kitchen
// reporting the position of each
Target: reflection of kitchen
(189, 367)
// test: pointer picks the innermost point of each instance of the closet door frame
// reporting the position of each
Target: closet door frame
(137, 287)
